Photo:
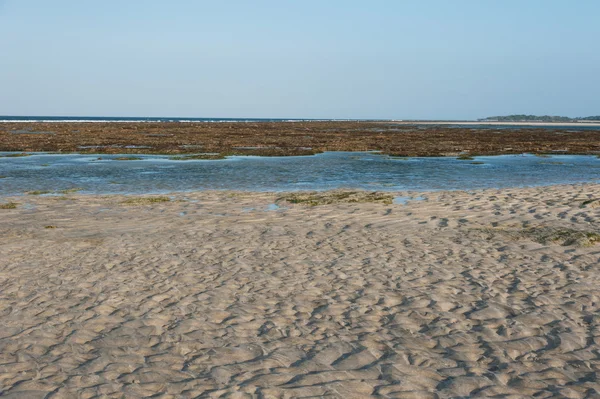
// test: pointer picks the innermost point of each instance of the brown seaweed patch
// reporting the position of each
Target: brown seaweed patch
(285, 138)
(145, 200)
(28, 131)
(271, 151)
(8, 205)
(70, 190)
(337, 197)
(192, 157)
(20, 154)
(38, 192)
(127, 159)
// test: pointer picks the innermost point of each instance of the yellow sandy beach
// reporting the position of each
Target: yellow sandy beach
(489, 293)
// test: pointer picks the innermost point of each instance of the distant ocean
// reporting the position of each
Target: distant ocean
(149, 119)
(455, 124)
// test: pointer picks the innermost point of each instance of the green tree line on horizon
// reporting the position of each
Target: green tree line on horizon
(538, 118)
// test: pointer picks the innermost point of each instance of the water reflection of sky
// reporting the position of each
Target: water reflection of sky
(370, 171)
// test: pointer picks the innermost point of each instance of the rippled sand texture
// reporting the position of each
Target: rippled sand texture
(213, 295)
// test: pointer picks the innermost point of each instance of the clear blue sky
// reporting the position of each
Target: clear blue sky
(398, 59)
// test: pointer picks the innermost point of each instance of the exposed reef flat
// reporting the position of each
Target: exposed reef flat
(488, 293)
(295, 138)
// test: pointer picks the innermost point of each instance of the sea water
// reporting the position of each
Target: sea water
(103, 174)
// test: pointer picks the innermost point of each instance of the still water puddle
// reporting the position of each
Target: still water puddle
(404, 200)
(268, 208)
(272, 207)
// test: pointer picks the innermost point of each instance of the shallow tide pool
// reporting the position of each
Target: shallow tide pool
(103, 174)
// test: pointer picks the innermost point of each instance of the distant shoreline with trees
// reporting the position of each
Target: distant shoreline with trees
(537, 118)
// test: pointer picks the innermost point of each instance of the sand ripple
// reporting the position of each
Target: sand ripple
(210, 296)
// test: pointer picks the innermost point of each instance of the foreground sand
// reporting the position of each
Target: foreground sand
(213, 295)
